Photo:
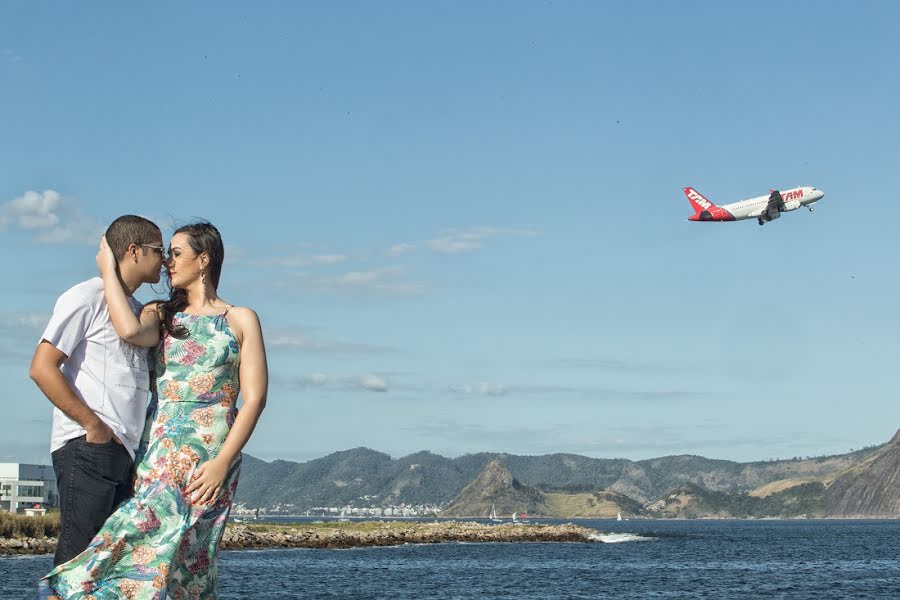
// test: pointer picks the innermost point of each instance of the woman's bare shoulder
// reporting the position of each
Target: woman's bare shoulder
(243, 320)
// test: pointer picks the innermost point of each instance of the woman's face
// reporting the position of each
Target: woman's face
(183, 265)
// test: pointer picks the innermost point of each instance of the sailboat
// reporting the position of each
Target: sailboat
(493, 515)
(514, 519)
(619, 516)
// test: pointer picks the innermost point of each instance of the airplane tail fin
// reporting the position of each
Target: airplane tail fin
(698, 201)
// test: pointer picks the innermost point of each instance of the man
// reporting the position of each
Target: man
(99, 386)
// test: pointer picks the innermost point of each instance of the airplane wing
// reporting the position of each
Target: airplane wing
(775, 205)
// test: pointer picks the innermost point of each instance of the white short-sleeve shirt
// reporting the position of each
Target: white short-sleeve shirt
(110, 375)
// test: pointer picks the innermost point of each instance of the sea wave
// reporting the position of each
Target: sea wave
(619, 538)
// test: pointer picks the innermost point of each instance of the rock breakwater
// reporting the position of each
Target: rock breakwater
(380, 533)
(27, 545)
(357, 535)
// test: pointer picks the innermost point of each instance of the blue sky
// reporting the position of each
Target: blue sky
(462, 223)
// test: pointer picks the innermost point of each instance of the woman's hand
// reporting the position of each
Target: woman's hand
(106, 260)
(206, 484)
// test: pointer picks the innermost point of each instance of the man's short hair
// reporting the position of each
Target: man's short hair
(131, 229)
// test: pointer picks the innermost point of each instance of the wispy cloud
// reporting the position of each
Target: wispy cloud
(53, 218)
(613, 364)
(304, 260)
(369, 382)
(577, 392)
(306, 342)
(29, 322)
(11, 56)
(401, 249)
(480, 389)
(384, 280)
(20, 331)
(492, 438)
(455, 241)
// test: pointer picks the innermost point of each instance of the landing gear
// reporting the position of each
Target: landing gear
(810, 208)
(760, 221)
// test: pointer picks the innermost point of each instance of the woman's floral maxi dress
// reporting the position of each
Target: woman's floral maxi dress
(159, 545)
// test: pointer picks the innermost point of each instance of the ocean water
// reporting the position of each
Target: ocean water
(640, 559)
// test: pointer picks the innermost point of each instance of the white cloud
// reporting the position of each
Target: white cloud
(21, 332)
(368, 382)
(32, 320)
(235, 253)
(314, 380)
(373, 383)
(11, 56)
(480, 389)
(455, 241)
(25, 322)
(400, 249)
(32, 210)
(305, 260)
(385, 280)
(306, 343)
(54, 218)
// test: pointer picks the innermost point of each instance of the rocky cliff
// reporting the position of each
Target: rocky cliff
(869, 489)
(495, 486)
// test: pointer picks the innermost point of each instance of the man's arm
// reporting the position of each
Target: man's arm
(46, 374)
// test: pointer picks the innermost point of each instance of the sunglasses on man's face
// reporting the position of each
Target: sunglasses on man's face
(159, 249)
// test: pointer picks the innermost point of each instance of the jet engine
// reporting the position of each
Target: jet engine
(791, 205)
(768, 216)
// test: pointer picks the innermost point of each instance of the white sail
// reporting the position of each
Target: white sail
(619, 516)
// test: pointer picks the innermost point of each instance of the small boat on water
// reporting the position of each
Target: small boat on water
(493, 516)
(619, 516)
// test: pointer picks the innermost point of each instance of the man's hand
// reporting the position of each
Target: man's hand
(100, 433)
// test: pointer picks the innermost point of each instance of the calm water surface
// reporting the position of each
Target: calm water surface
(661, 559)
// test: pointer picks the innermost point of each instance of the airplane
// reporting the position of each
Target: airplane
(762, 208)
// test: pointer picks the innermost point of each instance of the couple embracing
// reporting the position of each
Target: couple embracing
(145, 491)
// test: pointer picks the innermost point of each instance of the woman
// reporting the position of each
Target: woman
(162, 543)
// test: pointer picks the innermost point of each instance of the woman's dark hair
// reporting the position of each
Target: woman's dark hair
(202, 237)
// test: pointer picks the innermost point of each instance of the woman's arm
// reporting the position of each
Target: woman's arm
(140, 330)
(254, 374)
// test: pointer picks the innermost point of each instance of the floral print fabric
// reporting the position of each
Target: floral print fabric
(159, 545)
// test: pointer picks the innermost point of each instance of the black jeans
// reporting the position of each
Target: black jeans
(93, 480)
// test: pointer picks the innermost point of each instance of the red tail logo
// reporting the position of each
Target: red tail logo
(697, 200)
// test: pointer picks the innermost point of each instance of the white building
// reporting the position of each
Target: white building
(23, 486)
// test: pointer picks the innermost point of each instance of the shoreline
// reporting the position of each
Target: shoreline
(338, 535)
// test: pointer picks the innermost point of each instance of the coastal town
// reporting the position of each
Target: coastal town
(401, 511)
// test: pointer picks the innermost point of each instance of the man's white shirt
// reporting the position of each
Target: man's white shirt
(110, 375)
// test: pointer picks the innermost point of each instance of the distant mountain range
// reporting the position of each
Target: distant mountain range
(861, 483)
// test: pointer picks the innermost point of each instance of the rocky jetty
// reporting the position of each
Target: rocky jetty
(27, 545)
(356, 535)
(379, 533)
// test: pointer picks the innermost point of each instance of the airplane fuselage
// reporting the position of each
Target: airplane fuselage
(753, 208)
